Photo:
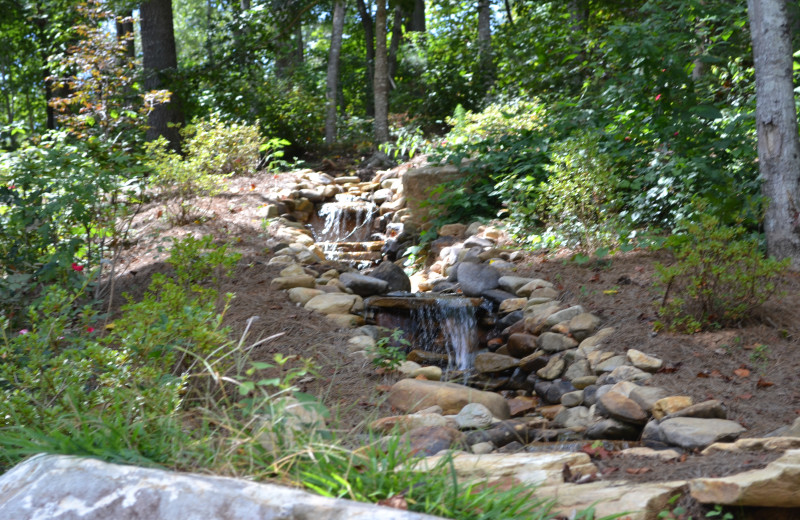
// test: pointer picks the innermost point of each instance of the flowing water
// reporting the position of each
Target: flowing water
(449, 326)
(346, 229)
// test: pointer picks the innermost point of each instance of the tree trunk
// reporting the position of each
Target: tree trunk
(776, 123)
(394, 43)
(159, 60)
(369, 43)
(381, 76)
(333, 71)
(485, 60)
(124, 26)
(299, 46)
(418, 17)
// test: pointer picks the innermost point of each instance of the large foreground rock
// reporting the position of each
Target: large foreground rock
(56, 487)
(411, 395)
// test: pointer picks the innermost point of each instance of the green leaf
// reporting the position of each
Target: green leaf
(246, 387)
(708, 112)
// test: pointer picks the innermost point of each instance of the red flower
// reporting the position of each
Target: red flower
(76, 267)
(89, 329)
(658, 96)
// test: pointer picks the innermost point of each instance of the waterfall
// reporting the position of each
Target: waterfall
(449, 326)
(347, 220)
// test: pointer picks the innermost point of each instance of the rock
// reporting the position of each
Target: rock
(572, 399)
(583, 325)
(429, 373)
(521, 345)
(290, 282)
(652, 436)
(711, 409)
(491, 363)
(364, 285)
(430, 440)
(281, 260)
(578, 418)
(565, 315)
(415, 394)
(407, 368)
(650, 453)
(773, 486)
(64, 487)
(482, 448)
(301, 295)
(577, 370)
(363, 343)
(581, 383)
(513, 284)
(613, 499)
(392, 274)
(534, 362)
(345, 179)
(593, 342)
(473, 416)
(692, 433)
(406, 423)
(668, 405)
(610, 364)
(613, 429)
(556, 391)
(334, 303)
(498, 296)
(526, 468)
(531, 286)
(475, 279)
(619, 407)
(519, 405)
(553, 369)
(629, 373)
(452, 230)
(345, 321)
(423, 357)
(417, 186)
(552, 342)
(754, 445)
(511, 305)
(292, 270)
(644, 362)
(647, 396)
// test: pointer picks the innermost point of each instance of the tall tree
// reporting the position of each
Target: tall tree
(417, 22)
(776, 123)
(160, 61)
(485, 42)
(369, 44)
(333, 71)
(381, 82)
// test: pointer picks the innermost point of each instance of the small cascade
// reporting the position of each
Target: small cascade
(448, 327)
(344, 228)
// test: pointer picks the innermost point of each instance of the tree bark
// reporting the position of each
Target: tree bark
(333, 71)
(124, 26)
(776, 123)
(418, 17)
(160, 60)
(485, 60)
(369, 43)
(394, 43)
(381, 81)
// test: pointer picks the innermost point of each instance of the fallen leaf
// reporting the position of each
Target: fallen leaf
(745, 397)
(702, 374)
(396, 501)
(742, 372)
(383, 388)
(636, 471)
(762, 383)
(275, 307)
(610, 291)
(683, 458)
(609, 470)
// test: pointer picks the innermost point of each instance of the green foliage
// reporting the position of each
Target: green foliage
(379, 472)
(718, 278)
(199, 260)
(214, 150)
(390, 351)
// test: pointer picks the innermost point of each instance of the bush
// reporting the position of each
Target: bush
(719, 277)
(214, 150)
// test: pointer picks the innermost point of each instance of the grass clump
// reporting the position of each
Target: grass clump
(719, 277)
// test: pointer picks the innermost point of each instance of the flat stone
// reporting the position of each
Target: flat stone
(650, 453)
(552, 342)
(64, 487)
(333, 303)
(578, 369)
(647, 396)
(293, 270)
(629, 373)
(672, 404)
(533, 362)
(565, 315)
(423, 357)
(407, 367)
(610, 364)
(534, 284)
(392, 274)
(364, 343)
(430, 373)
(301, 295)
(415, 394)
(619, 407)
(613, 429)
(345, 321)
(711, 409)
(583, 325)
(475, 279)
(281, 260)
(572, 399)
(473, 416)
(692, 433)
(643, 361)
(405, 423)
(452, 230)
(613, 498)
(289, 282)
(597, 340)
(521, 345)
(754, 445)
(578, 417)
(553, 369)
(582, 382)
(364, 285)
(491, 363)
(511, 305)
(773, 486)
(513, 284)
(520, 405)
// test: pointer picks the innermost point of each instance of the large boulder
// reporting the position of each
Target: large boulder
(418, 184)
(411, 395)
(364, 285)
(59, 487)
(394, 275)
(475, 279)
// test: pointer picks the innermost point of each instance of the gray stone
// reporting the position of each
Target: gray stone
(553, 342)
(577, 370)
(57, 487)
(364, 285)
(497, 296)
(334, 303)
(491, 363)
(539, 360)
(474, 415)
(711, 409)
(643, 361)
(553, 369)
(613, 429)
(692, 433)
(392, 274)
(475, 279)
(610, 364)
(557, 391)
(565, 315)
(578, 417)
(617, 406)
(647, 396)
(415, 394)
(521, 345)
(583, 325)
(531, 286)
(629, 373)
(513, 284)
(572, 399)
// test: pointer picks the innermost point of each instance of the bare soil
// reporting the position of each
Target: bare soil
(751, 368)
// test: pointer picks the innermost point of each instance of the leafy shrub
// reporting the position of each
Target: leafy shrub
(579, 197)
(390, 351)
(719, 277)
(214, 150)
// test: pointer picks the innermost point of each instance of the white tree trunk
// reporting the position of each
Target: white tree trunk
(381, 82)
(776, 121)
(333, 71)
